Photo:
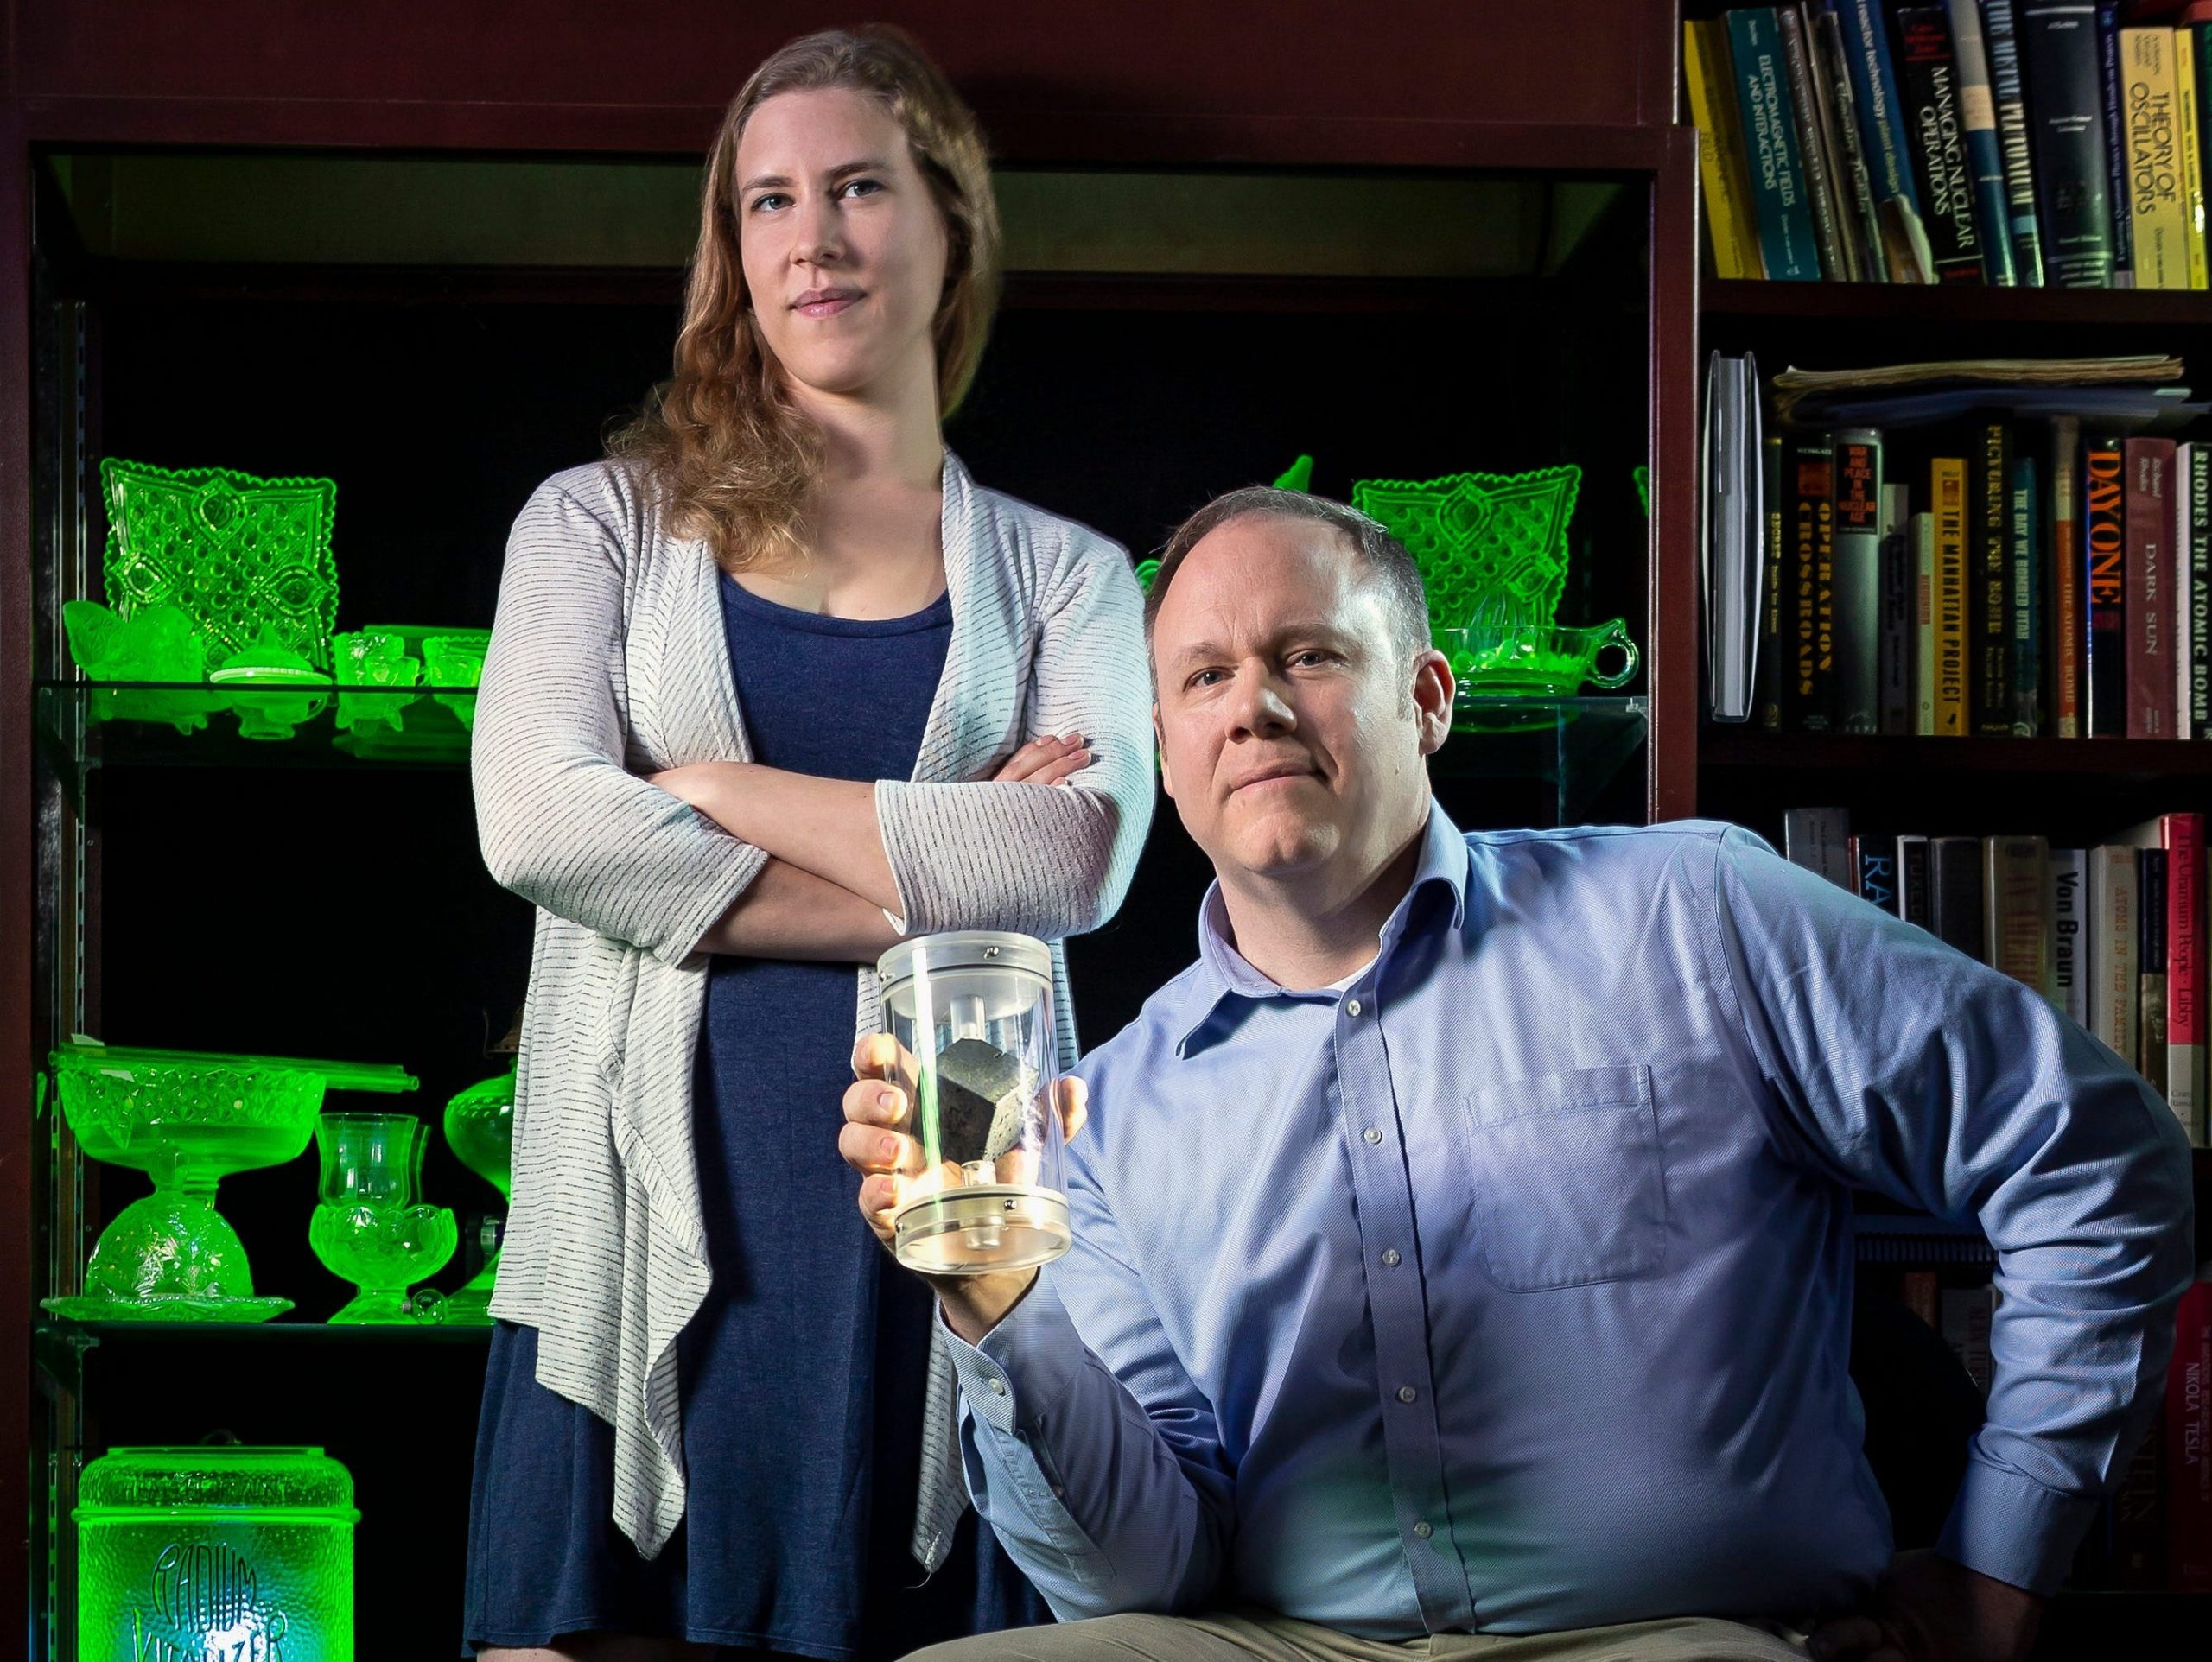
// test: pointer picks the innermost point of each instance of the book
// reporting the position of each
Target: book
(2134, 1544)
(1809, 691)
(2014, 134)
(1856, 546)
(2187, 1444)
(1992, 214)
(1955, 889)
(1830, 226)
(1919, 1290)
(1733, 569)
(2181, 588)
(2151, 967)
(2058, 48)
(2070, 904)
(2063, 578)
(2112, 932)
(1947, 490)
(2104, 522)
(2198, 50)
(1877, 872)
(2016, 910)
(1966, 1313)
(2178, 839)
(1939, 151)
(2109, 86)
(1978, 376)
(1771, 531)
(2154, 205)
(1721, 166)
(1990, 582)
(1819, 839)
(1779, 206)
(2189, 114)
(1915, 892)
(1923, 594)
(2195, 486)
(1846, 155)
(2024, 597)
(1881, 132)
(2150, 681)
(1899, 636)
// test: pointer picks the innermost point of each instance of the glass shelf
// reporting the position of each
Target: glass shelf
(1579, 745)
(89, 724)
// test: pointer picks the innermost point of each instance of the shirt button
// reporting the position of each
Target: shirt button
(1390, 1256)
(1407, 1393)
(1351, 1006)
(1423, 1530)
(998, 1386)
(1372, 1134)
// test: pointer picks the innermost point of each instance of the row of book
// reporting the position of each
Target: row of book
(2025, 143)
(2115, 937)
(1985, 577)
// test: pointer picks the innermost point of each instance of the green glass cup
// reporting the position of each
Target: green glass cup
(369, 1227)
(1512, 661)
(456, 660)
(373, 657)
(480, 1126)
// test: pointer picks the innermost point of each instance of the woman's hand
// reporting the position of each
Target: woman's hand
(1046, 761)
(877, 1104)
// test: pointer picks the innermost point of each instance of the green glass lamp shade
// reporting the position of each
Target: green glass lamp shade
(369, 1227)
(241, 555)
(186, 1119)
(1481, 540)
(480, 1130)
(253, 680)
(157, 643)
(194, 1554)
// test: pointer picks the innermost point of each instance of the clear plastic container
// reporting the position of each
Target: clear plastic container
(972, 1014)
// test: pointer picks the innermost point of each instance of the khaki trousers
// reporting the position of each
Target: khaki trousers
(1231, 1636)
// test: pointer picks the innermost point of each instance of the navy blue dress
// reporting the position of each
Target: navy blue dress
(802, 1375)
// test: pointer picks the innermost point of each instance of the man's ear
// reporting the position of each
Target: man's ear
(1435, 690)
(1159, 749)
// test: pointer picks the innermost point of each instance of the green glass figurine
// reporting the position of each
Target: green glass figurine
(373, 658)
(369, 1227)
(480, 1130)
(186, 1119)
(242, 555)
(156, 644)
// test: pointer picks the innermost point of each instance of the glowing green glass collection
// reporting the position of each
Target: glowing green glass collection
(217, 579)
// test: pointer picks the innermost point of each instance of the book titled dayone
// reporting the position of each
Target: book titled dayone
(1948, 491)
(2104, 522)
(1858, 557)
(2190, 114)
(1779, 204)
(2181, 837)
(2069, 907)
(2016, 910)
(1924, 620)
(2112, 991)
(1720, 163)
(2154, 183)
(2067, 619)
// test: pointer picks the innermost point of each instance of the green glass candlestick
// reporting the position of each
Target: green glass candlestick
(240, 553)
(196, 1554)
(480, 1130)
(186, 1119)
(369, 1227)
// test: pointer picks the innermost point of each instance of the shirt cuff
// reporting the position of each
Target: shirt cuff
(1025, 1365)
(2013, 1529)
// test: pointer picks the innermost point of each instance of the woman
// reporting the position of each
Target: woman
(757, 700)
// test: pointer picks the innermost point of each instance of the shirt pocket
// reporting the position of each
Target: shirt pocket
(1570, 1184)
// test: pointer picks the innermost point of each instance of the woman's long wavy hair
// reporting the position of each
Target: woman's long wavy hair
(730, 456)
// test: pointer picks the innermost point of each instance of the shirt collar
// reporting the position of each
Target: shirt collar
(1222, 973)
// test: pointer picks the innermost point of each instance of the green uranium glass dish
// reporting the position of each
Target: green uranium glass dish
(1481, 540)
(156, 644)
(186, 1120)
(238, 553)
(192, 1554)
(368, 1227)
(479, 1128)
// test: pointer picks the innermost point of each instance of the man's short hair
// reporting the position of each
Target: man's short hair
(1383, 555)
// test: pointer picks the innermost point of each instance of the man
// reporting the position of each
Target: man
(1463, 1244)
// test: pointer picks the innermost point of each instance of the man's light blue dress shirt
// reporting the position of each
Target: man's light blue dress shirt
(1509, 1288)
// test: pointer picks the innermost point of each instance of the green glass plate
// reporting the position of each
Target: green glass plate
(87, 1309)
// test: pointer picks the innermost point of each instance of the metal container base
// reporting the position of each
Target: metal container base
(977, 1230)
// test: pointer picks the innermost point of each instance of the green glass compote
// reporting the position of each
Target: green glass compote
(480, 1130)
(369, 1229)
(185, 1120)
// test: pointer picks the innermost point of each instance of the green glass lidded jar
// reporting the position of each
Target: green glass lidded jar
(241, 1553)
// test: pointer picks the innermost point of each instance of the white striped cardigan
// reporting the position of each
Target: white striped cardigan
(608, 660)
